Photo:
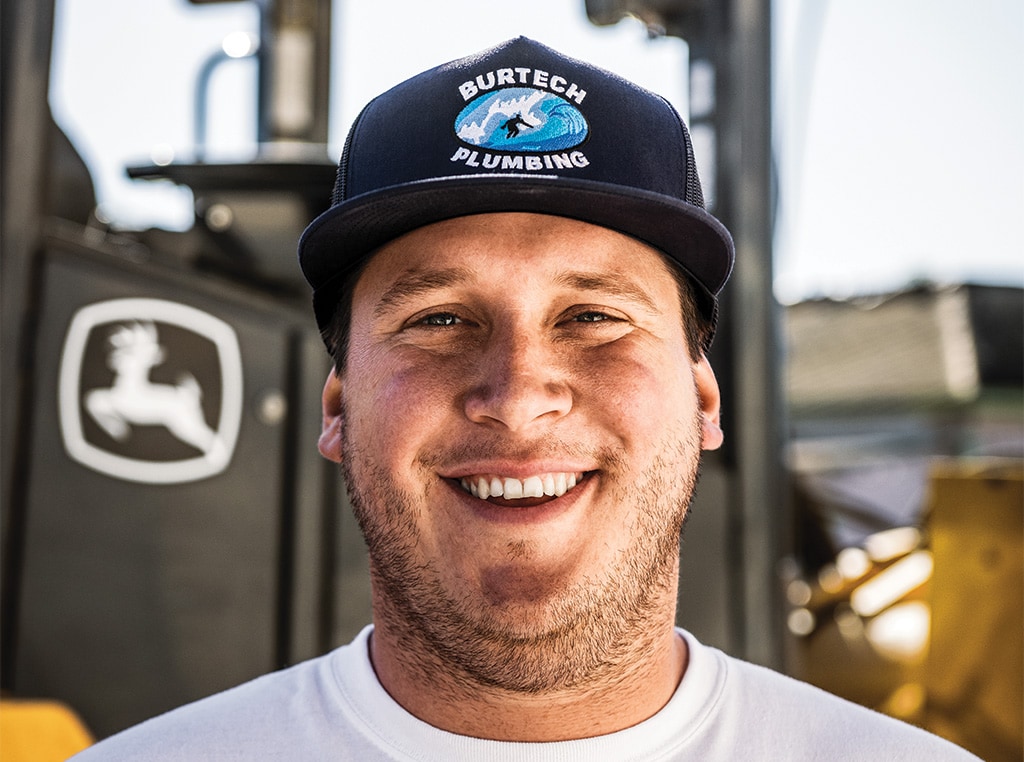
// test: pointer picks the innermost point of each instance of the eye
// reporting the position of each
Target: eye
(439, 319)
(592, 316)
(594, 322)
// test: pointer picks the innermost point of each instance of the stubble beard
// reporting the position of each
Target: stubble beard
(582, 634)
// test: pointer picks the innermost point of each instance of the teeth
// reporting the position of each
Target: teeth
(533, 487)
(513, 489)
(552, 485)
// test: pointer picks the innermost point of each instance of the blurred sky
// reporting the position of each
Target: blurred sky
(898, 122)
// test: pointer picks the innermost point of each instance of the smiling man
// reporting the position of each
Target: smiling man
(520, 398)
(523, 496)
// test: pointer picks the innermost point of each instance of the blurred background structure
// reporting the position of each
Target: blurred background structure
(861, 530)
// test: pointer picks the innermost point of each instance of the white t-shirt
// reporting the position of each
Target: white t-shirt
(333, 708)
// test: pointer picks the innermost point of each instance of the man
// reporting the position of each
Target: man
(518, 321)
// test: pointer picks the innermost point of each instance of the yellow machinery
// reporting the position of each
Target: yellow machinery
(39, 731)
(972, 678)
(927, 624)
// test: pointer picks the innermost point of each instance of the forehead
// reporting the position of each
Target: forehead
(517, 249)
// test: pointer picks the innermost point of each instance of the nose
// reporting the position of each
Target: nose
(520, 383)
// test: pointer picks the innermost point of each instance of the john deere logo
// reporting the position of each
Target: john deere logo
(150, 391)
(521, 120)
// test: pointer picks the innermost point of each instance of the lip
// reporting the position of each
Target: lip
(522, 514)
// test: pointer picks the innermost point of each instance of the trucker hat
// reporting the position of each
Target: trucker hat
(516, 128)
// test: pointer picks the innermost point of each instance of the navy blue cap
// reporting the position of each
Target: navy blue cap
(517, 128)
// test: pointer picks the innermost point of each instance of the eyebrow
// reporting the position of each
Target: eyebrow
(614, 286)
(413, 283)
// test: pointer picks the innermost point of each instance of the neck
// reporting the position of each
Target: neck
(629, 684)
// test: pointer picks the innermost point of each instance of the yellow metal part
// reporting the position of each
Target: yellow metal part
(973, 678)
(39, 731)
(932, 632)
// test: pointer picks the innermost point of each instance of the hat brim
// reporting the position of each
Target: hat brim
(343, 237)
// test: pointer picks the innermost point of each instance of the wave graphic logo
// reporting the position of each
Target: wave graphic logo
(521, 120)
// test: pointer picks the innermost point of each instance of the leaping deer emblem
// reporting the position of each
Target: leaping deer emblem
(133, 399)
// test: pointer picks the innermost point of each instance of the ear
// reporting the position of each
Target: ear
(710, 399)
(330, 434)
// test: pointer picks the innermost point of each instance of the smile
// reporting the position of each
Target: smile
(485, 486)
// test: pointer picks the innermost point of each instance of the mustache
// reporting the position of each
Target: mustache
(452, 454)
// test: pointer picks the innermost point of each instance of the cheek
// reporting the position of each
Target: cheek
(395, 403)
(640, 394)
(412, 397)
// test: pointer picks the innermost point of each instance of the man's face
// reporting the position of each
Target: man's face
(542, 359)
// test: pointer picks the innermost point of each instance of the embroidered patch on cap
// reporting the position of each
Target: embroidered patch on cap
(521, 120)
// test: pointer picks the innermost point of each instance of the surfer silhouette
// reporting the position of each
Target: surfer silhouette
(512, 126)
